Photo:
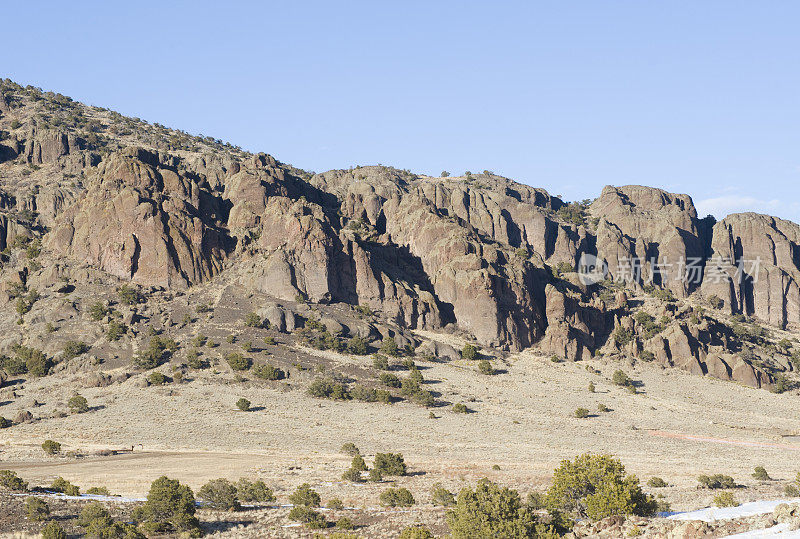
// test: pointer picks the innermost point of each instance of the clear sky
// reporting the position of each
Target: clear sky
(695, 97)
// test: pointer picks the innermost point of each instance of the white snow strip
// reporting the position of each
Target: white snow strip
(97, 497)
(749, 509)
(776, 531)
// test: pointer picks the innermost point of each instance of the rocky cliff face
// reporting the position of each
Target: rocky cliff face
(480, 253)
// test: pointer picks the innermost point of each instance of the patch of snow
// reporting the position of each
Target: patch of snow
(749, 509)
(776, 531)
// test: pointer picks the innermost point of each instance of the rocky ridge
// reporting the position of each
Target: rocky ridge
(479, 254)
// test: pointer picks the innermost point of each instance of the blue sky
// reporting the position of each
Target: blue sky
(694, 97)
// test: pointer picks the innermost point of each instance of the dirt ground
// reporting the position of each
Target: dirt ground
(677, 427)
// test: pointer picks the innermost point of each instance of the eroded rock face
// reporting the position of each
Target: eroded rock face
(145, 223)
(755, 267)
(649, 227)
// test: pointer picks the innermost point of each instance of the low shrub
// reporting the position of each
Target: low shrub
(460, 408)
(352, 475)
(469, 352)
(254, 491)
(157, 379)
(441, 496)
(484, 367)
(78, 404)
(380, 362)
(91, 512)
(50, 447)
(220, 494)
(329, 389)
(357, 346)
(238, 362)
(268, 371)
(308, 516)
(418, 531)
(596, 486)
(581, 413)
(397, 497)
(11, 481)
(252, 320)
(350, 448)
(73, 349)
(65, 487)
(761, 474)
(716, 481)
(390, 464)
(36, 509)
(725, 499)
(243, 405)
(52, 530)
(335, 504)
(656, 482)
(170, 507)
(305, 495)
(389, 379)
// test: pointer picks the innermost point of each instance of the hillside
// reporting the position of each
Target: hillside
(164, 276)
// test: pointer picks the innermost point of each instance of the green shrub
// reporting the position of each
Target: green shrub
(791, 490)
(345, 523)
(52, 530)
(596, 486)
(252, 320)
(484, 367)
(220, 494)
(397, 497)
(243, 404)
(335, 504)
(358, 463)
(157, 350)
(73, 349)
(622, 336)
(389, 379)
(761, 474)
(656, 482)
(357, 346)
(65, 487)
(11, 481)
(78, 404)
(238, 362)
(128, 295)
(350, 448)
(353, 475)
(170, 507)
(647, 355)
(390, 464)
(36, 363)
(621, 379)
(417, 531)
(581, 413)
(98, 311)
(375, 475)
(362, 393)
(591, 387)
(91, 512)
(442, 496)
(99, 491)
(460, 408)
(305, 495)
(115, 331)
(268, 371)
(380, 362)
(36, 509)
(4, 423)
(491, 511)
(389, 347)
(308, 516)
(157, 379)
(716, 481)
(50, 447)
(469, 352)
(254, 491)
(329, 389)
(725, 499)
